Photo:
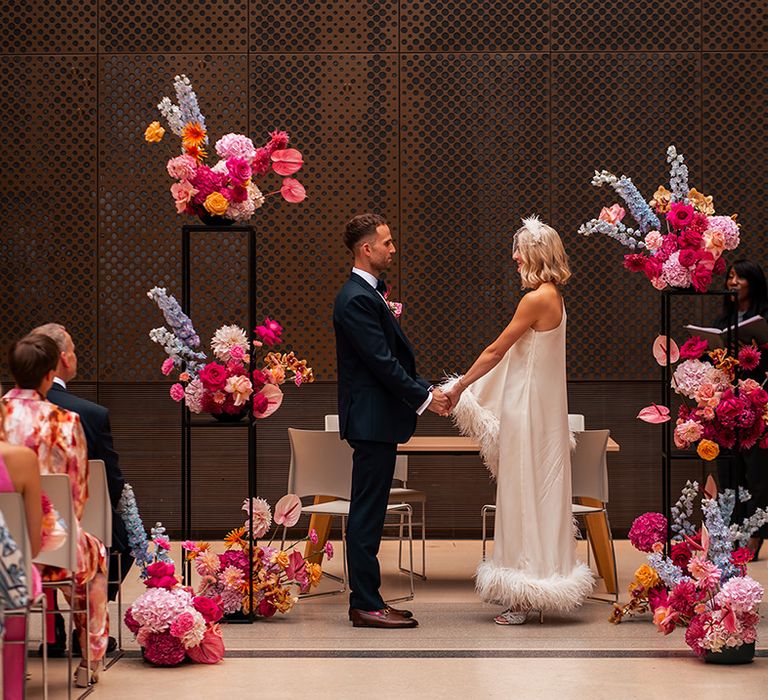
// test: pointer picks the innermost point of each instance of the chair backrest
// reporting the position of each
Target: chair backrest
(97, 514)
(589, 467)
(321, 464)
(59, 490)
(576, 422)
(15, 516)
(401, 463)
(332, 422)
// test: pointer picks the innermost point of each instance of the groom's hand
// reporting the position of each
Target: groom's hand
(440, 403)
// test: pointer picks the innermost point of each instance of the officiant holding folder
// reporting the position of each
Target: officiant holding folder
(749, 468)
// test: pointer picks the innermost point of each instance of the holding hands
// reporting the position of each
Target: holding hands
(454, 393)
(440, 403)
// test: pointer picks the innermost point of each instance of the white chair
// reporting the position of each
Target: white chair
(97, 520)
(400, 494)
(321, 465)
(59, 491)
(575, 424)
(589, 480)
(14, 514)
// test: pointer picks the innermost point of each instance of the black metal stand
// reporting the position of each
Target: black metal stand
(187, 422)
(668, 454)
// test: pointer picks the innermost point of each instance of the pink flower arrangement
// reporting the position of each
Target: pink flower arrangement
(703, 584)
(226, 385)
(276, 572)
(679, 242)
(725, 412)
(227, 191)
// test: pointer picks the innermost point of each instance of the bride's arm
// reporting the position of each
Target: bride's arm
(527, 313)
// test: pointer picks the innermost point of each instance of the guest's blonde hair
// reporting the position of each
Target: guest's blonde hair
(543, 257)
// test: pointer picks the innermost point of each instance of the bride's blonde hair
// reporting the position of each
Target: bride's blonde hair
(543, 257)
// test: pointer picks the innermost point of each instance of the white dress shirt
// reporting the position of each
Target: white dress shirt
(60, 382)
(373, 281)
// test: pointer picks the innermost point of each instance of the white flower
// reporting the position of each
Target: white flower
(226, 338)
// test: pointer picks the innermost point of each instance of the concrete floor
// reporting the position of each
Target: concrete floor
(456, 652)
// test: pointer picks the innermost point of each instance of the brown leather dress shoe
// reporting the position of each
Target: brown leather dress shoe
(407, 614)
(386, 619)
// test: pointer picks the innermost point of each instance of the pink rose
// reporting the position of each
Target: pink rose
(210, 608)
(705, 394)
(664, 617)
(680, 215)
(690, 238)
(239, 170)
(259, 380)
(167, 367)
(177, 392)
(182, 167)
(653, 240)
(182, 192)
(708, 413)
(613, 214)
(687, 257)
(213, 376)
(728, 409)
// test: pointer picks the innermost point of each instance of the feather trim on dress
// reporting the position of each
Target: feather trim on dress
(517, 590)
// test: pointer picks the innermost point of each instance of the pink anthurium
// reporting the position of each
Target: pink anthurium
(287, 162)
(654, 414)
(660, 350)
(293, 191)
(273, 396)
(288, 510)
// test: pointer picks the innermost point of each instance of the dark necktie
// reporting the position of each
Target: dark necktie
(381, 287)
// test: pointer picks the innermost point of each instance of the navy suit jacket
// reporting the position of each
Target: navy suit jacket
(379, 390)
(98, 434)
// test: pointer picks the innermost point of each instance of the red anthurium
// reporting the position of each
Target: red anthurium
(654, 414)
(293, 191)
(286, 162)
(660, 350)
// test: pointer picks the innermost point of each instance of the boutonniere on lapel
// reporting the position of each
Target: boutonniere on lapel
(394, 306)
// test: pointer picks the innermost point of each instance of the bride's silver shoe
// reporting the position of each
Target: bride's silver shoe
(509, 617)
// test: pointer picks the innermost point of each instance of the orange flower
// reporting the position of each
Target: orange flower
(723, 361)
(662, 198)
(196, 152)
(235, 538)
(708, 450)
(193, 134)
(701, 202)
(154, 133)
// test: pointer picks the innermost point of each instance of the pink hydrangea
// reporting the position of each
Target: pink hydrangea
(158, 607)
(689, 376)
(182, 167)
(728, 229)
(163, 649)
(675, 273)
(647, 530)
(235, 146)
(239, 171)
(741, 594)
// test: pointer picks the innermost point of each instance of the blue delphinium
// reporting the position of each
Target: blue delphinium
(137, 536)
(190, 110)
(683, 510)
(638, 207)
(678, 175)
(628, 237)
(180, 354)
(720, 542)
(180, 323)
(667, 570)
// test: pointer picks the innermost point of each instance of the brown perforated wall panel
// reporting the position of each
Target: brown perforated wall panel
(453, 119)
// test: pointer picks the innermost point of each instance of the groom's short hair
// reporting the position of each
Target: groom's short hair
(360, 226)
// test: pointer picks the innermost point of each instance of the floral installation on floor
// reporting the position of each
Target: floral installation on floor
(679, 238)
(169, 621)
(278, 572)
(226, 385)
(703, 584)
(225, 192)
(719, 410)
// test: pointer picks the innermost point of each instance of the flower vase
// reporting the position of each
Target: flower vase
(211, 220)
(230, 417)
(743, 654)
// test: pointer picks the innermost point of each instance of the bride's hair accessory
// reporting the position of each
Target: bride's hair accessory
(534, 226)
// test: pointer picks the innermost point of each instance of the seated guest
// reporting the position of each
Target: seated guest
(57, 438)
(98, 434)
(750, 467)
(19, 472)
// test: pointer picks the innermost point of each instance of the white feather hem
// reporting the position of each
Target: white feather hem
(476, 421)
(518, 590)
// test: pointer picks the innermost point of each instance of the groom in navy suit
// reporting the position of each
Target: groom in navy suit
(380, 396)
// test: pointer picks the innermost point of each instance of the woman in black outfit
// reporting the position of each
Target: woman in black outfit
(749, 468)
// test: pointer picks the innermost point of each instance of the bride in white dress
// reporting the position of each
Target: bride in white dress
(514, 401)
